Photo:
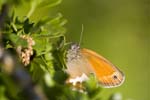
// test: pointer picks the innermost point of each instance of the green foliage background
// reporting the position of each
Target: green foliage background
(118, 30)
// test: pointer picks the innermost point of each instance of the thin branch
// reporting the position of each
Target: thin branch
(3, 15)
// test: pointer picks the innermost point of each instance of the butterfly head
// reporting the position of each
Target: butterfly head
(73, 52)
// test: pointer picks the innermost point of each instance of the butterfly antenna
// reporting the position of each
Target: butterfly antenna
(81, 35)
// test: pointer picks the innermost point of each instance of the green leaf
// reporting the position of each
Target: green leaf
(27, 26)
(37, 69)
(50, 3)
(60, 77)
(92, 88)
(40, 46)
(18, 41)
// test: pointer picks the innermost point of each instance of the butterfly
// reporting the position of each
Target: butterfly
(83, 62)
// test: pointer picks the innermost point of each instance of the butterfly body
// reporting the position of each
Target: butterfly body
(83, 62)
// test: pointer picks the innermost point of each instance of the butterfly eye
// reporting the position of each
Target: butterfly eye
(75, 47)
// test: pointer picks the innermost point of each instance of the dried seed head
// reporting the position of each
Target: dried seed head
(26, 53)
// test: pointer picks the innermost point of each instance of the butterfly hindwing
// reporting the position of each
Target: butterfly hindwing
(107, 74)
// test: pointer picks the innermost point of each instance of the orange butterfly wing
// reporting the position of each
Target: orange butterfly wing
(107, 74)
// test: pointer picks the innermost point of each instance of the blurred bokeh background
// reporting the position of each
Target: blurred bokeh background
(120, 31)
(117, 29)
